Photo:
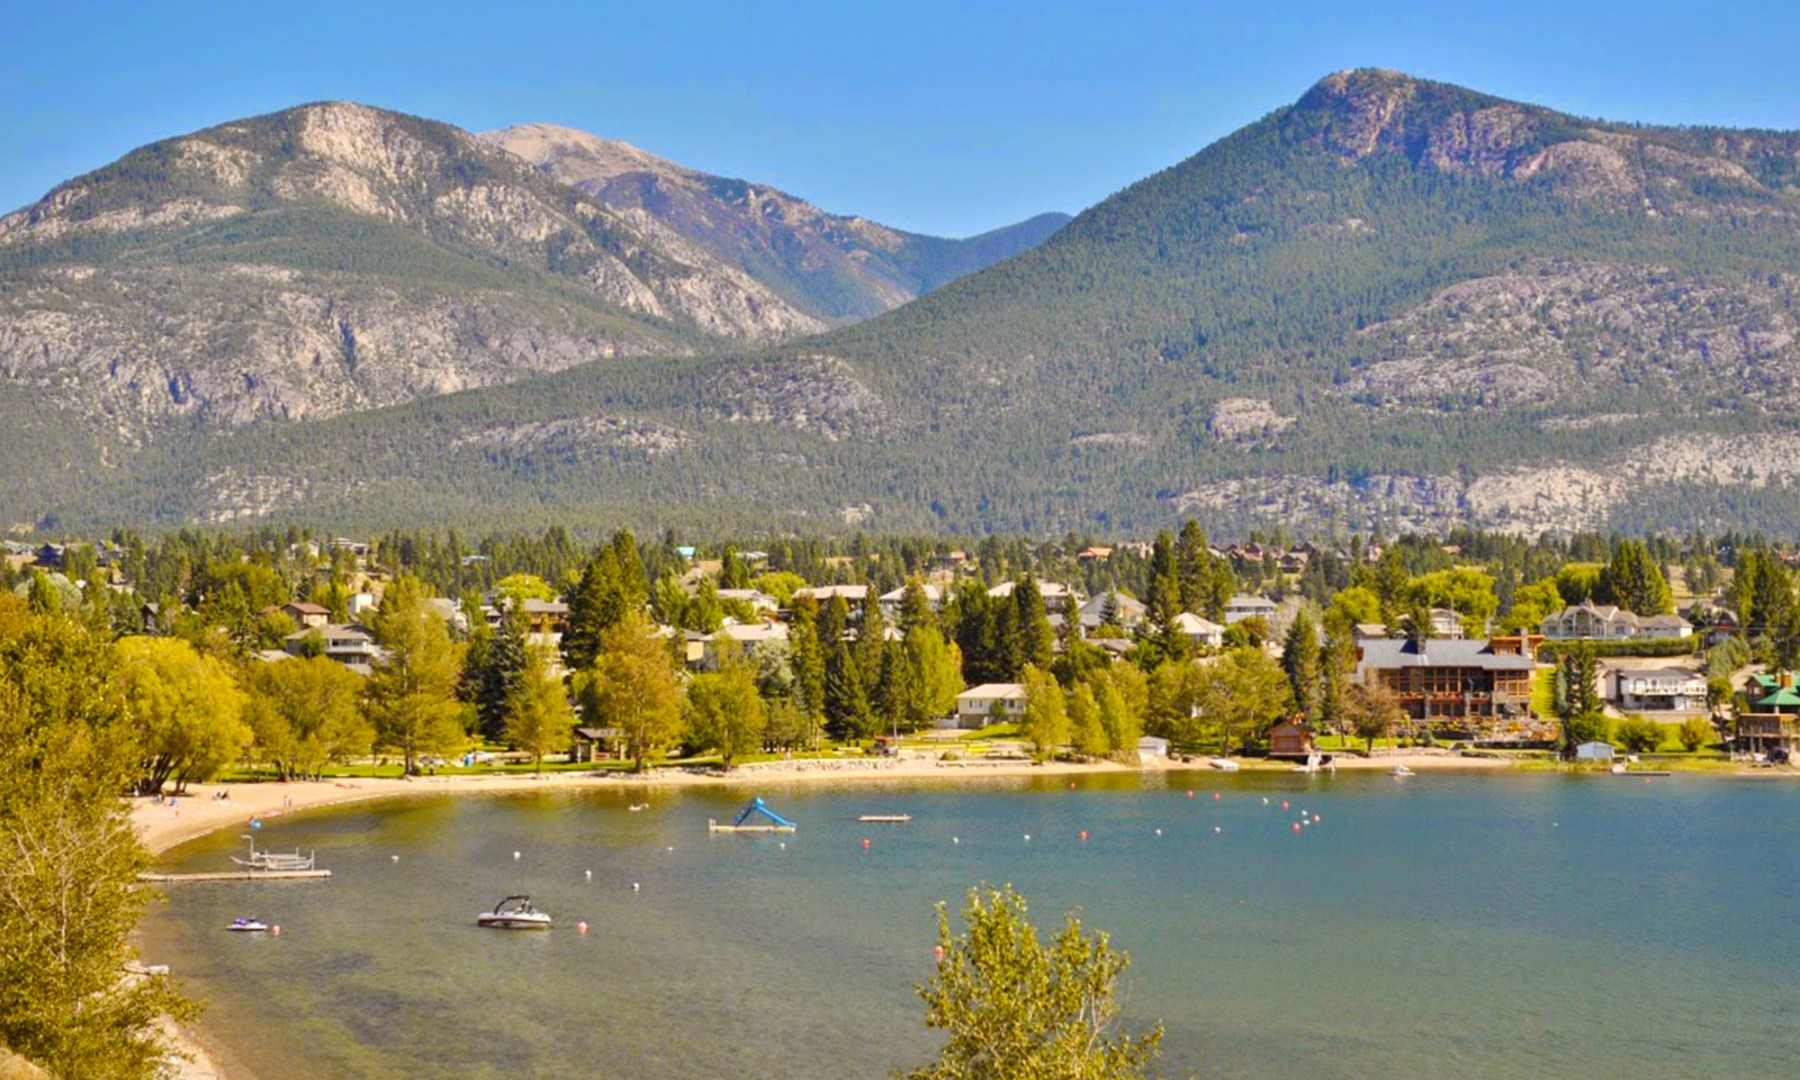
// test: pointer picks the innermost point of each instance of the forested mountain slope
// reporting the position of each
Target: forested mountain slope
(836, 267)
(1394, 302)
(329, 258)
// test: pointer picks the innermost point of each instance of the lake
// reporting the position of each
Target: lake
(1500, 926)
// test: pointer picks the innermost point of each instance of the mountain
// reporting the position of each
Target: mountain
(1394, 303)
(837, 268)
(335, 257)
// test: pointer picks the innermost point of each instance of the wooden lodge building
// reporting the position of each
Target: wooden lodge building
(1481, 687)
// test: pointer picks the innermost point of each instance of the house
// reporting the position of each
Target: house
(990, 703)
(306, 614)
(1093, 554)
(1152, 749)
(1660, 689)
(1768, 714)
(1129, 611)
(890, 601)
(349, 645)
(1292, 562)
(545, 619)
(1368, 631)
(360, 604)
(1594, 751)
(1056, 597)
(1242, 607)
(853, 595)
(1445, 623)
(754, 640)
(1589, 621)
(756, 600)
(1203, 633)
(1452, 681)
(1291, 738)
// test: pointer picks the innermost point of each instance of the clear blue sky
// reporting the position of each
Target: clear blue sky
(946, 118)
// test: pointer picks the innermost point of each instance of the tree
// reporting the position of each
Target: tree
(1086, 735)
(1373, 712)
(70, 859)
(846, 702)
(1204, 580)
(1532, 604)
(599, 601)
(808, 662)
(1639, 734)
(538, 718)
(1696, 731)
(632, 687)
(515, 589)
(1014, 1006)
(411, 694)
(1578, 673)
(498, 671)
(1033, 643)
(1046, 719)
(188, 708)
(1469, 593)
(934, 677)
(305, 712)
(1583, 728)
(1357, 604)
(1244, 692)
(1162, 603)
(1301, 660)
(1634, 581)
(725, 713)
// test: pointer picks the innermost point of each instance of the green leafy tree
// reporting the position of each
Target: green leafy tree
(632, 687)
(305, 713)
(412, 693)
(1583, 728)
(725, 713)
(1373, 712)
(1639, 734)
(188, 707)
(1086, 733)
(1532, 604)
(515, 589)
(1356, 604)
(1696, 732)
(1046, 719)
(538, 718)
(1014, 1006)
(70, 859)
(1243, 694)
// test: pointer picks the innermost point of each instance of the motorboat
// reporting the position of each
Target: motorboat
(275, 860)
(1401, 770)
(247, 926)
(514, 913)
(1223, 764)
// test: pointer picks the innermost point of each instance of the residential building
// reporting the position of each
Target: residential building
(1660, 689)
(759, 602)
(1093, 554)
(306, 614)
(1768, 714)
(1452, 683)
(1242, 607)
(823, 594)
(990, 703)
(1602, 622)
(1446, 623)
(1129, 611)
(890, 601)
(350, 645)
(754, 640)
(1057, 597)
(1202, 633)
(1291, 738)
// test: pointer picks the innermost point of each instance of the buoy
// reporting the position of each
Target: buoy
(396, 858)
(1317, 819)
(671, 849)
(1190, 794)
(581, 928)
(1217, 829)
(865, 843)
(255, 823)
(590, 875)
(274, 931)
(1265, 800)
(1215, 796)
(956, 839)
(783, 845)
(1159, 832)
(1084, 834)
(1071, 785)
(515, 856)
(1284, 804)
(1027, 836)
(635, 886)
(1296, 828)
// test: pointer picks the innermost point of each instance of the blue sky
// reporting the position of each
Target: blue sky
(945, 118)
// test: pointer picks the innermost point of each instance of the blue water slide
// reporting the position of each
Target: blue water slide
(757, 806)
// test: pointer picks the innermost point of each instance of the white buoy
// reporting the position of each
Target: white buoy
(1027, 836)
(396, 858)
(1159, 832)
(635, 886)
(782, 844)
(1265, 800)
(515, 856)
(956, 839)
(671, 849)
(590, 875)
(1217, 829)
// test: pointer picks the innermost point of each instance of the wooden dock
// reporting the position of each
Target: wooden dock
(886, 819)
(713, 826)
(236, 875)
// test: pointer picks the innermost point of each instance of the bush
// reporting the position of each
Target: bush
(1551, 651)
(1639, 734)
(1588, 727)
(1696, 731)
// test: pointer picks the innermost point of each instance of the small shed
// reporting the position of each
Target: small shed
(1291, 738)
(1151, 748)
(1594, 751)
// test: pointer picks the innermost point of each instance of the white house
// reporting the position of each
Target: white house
(1603, 622)
(1665, 689)
(990, 703)
(1242, 607)
(759, 602)
(1056, 597)
(753, 639)
(890, 601)
(1199, 631)
(1130, 611)
(345, 644)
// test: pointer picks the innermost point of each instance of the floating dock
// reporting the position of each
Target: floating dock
(886, 819)
(714, 826)
(237, 875)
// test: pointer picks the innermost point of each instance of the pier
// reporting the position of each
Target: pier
(236, 875)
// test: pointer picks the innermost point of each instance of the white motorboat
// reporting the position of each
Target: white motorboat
(247, 926)
(514, 913)
(1401, 770)
(1223, 764)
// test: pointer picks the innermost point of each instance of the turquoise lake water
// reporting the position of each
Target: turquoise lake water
(1502, 926)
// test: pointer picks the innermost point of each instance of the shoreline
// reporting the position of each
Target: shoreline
(197, 814)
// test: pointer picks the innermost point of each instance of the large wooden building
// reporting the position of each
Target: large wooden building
(1472, 685)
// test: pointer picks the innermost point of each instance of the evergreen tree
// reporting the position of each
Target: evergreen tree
(504, 662)
(1162, 603)
(846, 702)
(1301, 661)
(807, 655)
(915, 607)
(1034, 642)
(1634, 581)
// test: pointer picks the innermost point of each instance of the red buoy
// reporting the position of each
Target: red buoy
(865, 843)
(1284, 804)
(1296, 828)
(1190, 794)
(581, 928)
(1215, 796)
(1084, 834)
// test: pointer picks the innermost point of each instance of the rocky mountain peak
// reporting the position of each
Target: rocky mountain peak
(577, 157)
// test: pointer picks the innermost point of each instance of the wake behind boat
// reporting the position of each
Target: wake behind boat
(514, 913)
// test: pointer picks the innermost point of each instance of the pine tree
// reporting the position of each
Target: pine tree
(502, 671)
(846, 702)
(1300, 659)
(1034, 642)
